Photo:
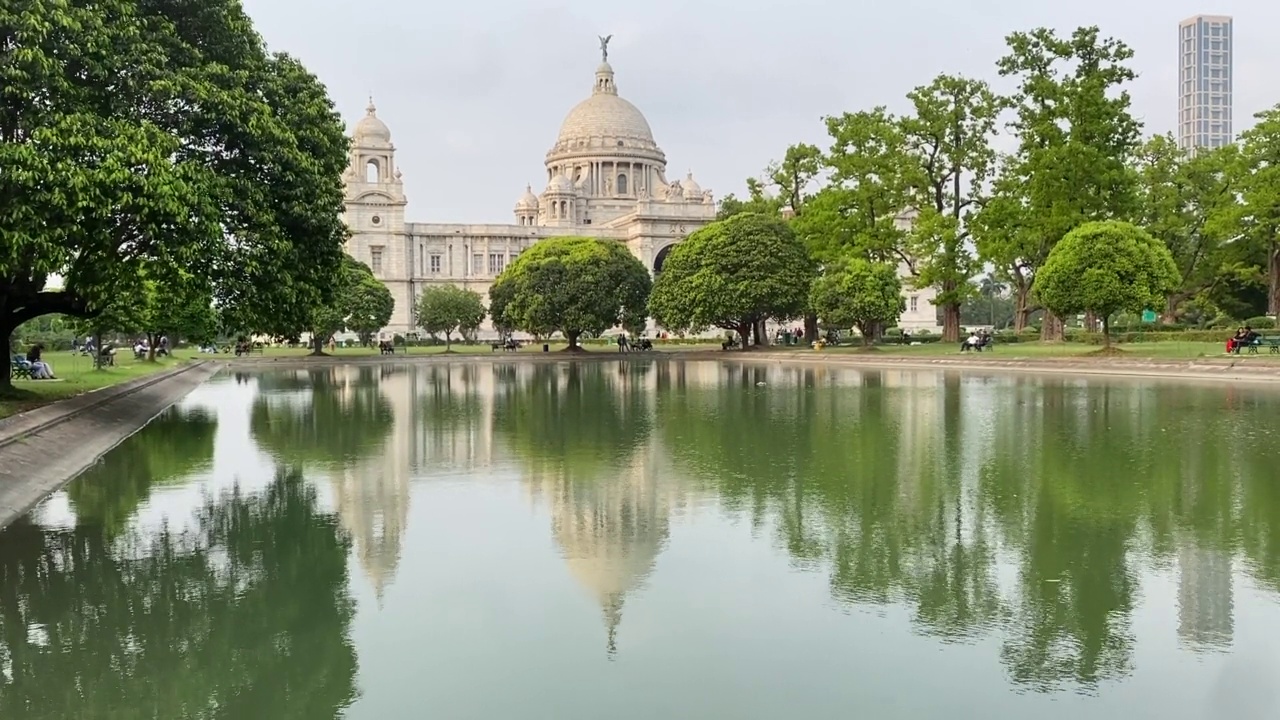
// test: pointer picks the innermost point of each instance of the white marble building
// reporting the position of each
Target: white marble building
(606, 178)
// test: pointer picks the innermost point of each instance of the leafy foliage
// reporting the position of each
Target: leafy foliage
(572, 285)
(1104, 268)
(1260, 215)
(162, 137)
(859, 293)
(449, 308)
(359, 303)
(732, 274)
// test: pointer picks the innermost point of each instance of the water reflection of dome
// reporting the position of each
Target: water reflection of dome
(611, 529)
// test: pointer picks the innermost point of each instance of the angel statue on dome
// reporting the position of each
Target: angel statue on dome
(604, 47)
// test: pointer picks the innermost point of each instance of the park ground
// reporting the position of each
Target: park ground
(76, 374)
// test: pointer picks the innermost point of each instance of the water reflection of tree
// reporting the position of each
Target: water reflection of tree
(244, 614)
(1080, 482)
(330, 416)
(176, 444)
(579, 420)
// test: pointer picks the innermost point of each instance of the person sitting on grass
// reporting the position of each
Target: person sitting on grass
(40, 370)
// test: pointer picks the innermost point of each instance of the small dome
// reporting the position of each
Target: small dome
(560, 184)
(370, 128)
(690, 187)
(527, 201)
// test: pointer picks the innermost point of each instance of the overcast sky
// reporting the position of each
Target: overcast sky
(474, 92)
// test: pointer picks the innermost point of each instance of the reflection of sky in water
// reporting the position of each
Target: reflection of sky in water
(479, 562)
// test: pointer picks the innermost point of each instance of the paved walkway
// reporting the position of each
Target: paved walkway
(40, 450)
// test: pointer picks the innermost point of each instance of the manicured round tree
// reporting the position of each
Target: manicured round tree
(858, 292)
(449, 308)
(573, 285)
(733, 274)
(1104, 268)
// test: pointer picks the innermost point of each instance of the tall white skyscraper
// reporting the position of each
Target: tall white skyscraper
(1205, 47)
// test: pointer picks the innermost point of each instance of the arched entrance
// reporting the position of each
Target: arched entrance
(661, 258)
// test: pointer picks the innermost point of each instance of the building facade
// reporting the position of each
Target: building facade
(606, 177)
(1205, 48)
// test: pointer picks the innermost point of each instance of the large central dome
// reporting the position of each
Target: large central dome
(605, 124)
(605, 115)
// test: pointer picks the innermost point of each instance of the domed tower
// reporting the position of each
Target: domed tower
(559, 206)
(527, 207)
(606, 151)
(375, 203)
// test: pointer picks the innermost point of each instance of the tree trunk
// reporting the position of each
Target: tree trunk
(1021, 311)
(867, 331)
(761, 334)
(1106, 332)
(810, 330)
(6, 375)
(1273, 285)
(151, 347)
(951, 322)
(1090, 322)
(572, 337)
(1170, 314)
(317, 344)
(448, 340)
(744, 334)
(97, 351)
(1051, 330)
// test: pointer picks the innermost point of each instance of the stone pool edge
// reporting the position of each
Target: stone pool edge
(1191, 370)
(42, 449)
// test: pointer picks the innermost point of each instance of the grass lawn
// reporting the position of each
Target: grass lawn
(75, 376)
(1137, 351)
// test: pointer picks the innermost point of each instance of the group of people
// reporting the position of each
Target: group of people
(37, 366)
(977, 341)
(1243, 338)
(625, 344)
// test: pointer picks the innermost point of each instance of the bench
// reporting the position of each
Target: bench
(19, 368)
(507, 346)
(1252, 348)
(386, 349)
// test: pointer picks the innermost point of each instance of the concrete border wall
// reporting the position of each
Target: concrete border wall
(41, 450)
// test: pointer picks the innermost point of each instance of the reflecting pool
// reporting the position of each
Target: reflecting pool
(657, 539)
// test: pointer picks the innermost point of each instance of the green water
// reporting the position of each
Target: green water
(659, 540)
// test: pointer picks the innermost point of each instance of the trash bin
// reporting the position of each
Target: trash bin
(546, 347)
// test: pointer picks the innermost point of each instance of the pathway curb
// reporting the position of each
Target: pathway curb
(23, 425)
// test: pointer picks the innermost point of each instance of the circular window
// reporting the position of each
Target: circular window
(376, 220)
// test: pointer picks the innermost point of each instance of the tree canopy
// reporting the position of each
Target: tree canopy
(733, 274)
(1106, 267)
(571, 285)
(359, 303)
(449, 308)
(858, 293)
(162, 136)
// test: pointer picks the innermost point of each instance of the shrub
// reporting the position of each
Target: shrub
(1261, 323)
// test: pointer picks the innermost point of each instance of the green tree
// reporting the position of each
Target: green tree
(359, 303)
(1076, 138)
(164, 136)
(951, 164)
(757, 201)
(369, 302)
(733, 274)
(446, 308)
(859, 293)
(573, 285)
(1189, 204)
(1104, 268)
(858, 211)
(1260, 152)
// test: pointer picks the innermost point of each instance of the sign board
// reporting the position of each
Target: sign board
(1148, 316)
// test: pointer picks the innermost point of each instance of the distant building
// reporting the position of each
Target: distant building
(1205, 48)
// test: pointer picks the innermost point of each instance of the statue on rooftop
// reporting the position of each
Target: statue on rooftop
(604, 47)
